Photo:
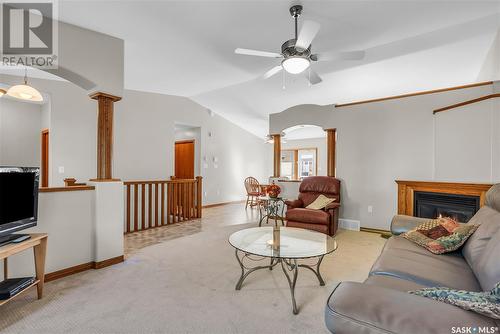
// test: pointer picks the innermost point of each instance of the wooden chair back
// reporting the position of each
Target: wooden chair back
(252, 185)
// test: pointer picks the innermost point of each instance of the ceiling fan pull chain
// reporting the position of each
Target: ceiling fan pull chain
(283, 80)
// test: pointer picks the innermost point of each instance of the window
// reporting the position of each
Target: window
(298, 163)
(288, 169)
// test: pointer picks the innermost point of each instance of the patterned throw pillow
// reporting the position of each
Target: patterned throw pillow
(441, 235)
(486, 303)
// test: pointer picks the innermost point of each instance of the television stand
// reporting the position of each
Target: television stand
(13, 238)
(37, 242)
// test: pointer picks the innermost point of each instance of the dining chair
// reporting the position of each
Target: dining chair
(254, 190)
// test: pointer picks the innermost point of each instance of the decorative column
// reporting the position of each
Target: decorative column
(277, 155)
(104, 135)
(331, 139)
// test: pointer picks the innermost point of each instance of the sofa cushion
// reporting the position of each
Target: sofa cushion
(487, 269)
(426, 269)
(483, 302)
(489, 223)
(365, 309)
(392, 282)
(308, 216)
(442, 235)
(398, 243)
(493, 197)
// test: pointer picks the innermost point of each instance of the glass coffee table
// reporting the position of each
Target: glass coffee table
(284, 246)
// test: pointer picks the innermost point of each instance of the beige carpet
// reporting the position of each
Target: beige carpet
(185, 284)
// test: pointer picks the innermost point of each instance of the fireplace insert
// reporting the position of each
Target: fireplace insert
(433, 205)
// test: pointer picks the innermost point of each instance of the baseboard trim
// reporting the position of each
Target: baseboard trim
(383, 233)
(82, 267)
(221, 204)
(108, 262)
(68, 271)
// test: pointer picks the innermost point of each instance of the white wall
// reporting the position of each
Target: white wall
(144, 143)
(378, 143)
(20, 125)
(319, 143)
(67, 217)
(463, 143)
(72, 120)
(144, 129)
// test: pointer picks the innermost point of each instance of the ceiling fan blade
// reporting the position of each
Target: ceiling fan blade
(352, 55)
(250, 52)
(306, 35)
(334, 55)
(312, 76)
(271, 72)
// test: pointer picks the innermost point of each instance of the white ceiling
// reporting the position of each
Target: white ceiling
(187, 48)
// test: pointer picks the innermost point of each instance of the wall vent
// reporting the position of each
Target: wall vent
(349, 224)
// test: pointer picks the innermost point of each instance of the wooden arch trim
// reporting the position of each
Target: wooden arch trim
(486, 83)
(461, 104)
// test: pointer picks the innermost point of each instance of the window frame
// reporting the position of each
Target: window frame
(295, 161)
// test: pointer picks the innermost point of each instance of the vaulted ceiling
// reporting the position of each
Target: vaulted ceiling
(187, 48)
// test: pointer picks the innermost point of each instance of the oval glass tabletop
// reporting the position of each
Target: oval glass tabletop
(294, 243)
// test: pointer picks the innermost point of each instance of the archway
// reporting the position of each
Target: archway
(303, 152)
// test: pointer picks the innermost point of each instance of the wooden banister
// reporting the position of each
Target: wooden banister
(171, 201)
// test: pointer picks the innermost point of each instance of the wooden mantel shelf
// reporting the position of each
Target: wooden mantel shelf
(406, 191)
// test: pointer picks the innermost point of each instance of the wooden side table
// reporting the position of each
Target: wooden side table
(38, 242)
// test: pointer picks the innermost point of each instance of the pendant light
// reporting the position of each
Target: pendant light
(25, 91)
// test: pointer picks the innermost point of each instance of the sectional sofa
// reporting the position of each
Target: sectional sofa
(382, 303)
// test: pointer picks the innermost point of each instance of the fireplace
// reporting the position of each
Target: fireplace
(456, 206)
(432, 198)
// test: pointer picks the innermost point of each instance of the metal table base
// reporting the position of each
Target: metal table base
(290, 268)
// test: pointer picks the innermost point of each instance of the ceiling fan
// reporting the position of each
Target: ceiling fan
(296, 52)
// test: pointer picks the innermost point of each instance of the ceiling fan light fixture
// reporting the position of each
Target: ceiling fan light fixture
(2, 92)
(295, 65)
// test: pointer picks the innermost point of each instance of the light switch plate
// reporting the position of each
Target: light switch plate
(61, 169)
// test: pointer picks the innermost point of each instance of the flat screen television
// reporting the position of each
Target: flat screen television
(18, 198)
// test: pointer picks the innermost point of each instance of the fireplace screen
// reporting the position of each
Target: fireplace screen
(433, 205)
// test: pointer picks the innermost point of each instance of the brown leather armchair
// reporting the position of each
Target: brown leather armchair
(325, 220)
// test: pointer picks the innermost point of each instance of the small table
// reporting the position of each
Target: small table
(274, 207)
(37, 241)
(283, 245)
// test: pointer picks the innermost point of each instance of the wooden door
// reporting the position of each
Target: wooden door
(44, 163)
(184, 159)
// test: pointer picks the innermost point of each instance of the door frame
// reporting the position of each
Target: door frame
(44, 160)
